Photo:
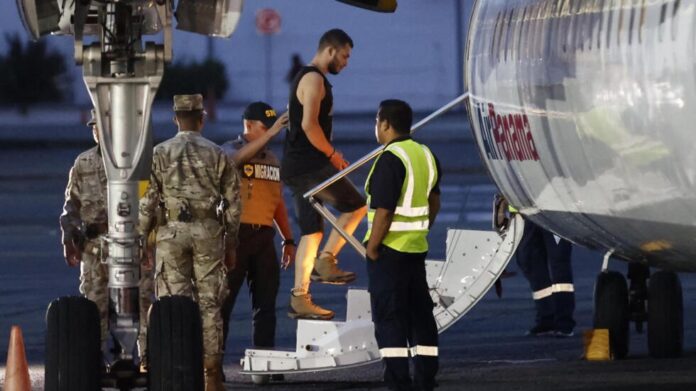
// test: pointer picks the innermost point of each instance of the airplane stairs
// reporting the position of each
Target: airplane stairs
(475, 260)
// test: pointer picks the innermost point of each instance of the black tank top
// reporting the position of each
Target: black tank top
(299, 155)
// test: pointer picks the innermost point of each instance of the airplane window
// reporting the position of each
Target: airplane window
(577, 26)
(631, 25)
(600, 26)
(495, 36)
(610, 22)
(675, 25)
(592, 18)
(641, 22)
(539, 32)
(548, 14)
(562, 23)
(517, 35)
(584, 25)
(594, 21)
(534, 31)
(663, 16)
(523, 33)
(500, 26)
(508, 37)
(620, 25)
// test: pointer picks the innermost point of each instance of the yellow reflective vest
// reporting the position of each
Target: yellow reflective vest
(409, 228)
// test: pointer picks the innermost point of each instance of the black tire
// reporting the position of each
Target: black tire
(665, 315)
(611, 310)
(175, 345)
(73, 345)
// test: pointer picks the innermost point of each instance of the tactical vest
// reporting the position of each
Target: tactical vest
(260, 190)
(409, 228)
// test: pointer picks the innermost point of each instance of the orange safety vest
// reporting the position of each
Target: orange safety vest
(260, 184)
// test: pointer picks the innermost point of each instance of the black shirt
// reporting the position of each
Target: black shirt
(388, 178)
(299, 155)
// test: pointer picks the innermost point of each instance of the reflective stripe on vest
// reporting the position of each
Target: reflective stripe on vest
(409, 227)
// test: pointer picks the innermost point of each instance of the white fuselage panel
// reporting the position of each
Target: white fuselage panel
(585, 116)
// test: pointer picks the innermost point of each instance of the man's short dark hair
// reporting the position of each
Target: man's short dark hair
(189, 118)
(336, 38)
(397, 113)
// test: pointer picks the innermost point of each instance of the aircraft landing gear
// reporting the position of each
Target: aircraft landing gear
(611, 310)
(655, 299)
(73, 347)
(175, 345)
(665, 315)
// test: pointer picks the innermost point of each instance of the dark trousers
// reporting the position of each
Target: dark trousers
(258, 263)
(402, 311)
(545, 262)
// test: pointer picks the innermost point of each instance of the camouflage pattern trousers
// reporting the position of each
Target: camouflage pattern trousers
(189, 263)
(94, 278)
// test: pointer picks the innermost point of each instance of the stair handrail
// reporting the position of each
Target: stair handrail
(310, 195)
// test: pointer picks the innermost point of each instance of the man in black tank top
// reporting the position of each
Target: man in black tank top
(309, 159)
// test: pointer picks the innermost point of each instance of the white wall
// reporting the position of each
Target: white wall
(409, 54)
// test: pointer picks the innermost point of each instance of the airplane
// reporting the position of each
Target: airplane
(582, 111)
(561, 105)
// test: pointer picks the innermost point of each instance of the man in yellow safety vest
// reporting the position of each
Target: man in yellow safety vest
(403, 197)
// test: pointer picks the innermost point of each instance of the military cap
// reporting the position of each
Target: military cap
(93, 120)
(261, 111)
(188, 102)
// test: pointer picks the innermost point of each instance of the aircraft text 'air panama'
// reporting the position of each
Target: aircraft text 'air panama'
(505, 136)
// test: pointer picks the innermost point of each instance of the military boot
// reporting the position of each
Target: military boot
(212, 370)
(326, 271)
(302, 307)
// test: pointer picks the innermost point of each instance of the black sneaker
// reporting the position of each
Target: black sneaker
(540, 331)
(563, 334)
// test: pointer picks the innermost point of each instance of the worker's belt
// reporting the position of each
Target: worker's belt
(93, 230)
(186, 215)
(253, 227)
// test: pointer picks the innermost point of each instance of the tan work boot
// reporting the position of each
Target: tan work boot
(212, 370)
(302, 307)
(326, 271)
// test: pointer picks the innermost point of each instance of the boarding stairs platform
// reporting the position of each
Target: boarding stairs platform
(474, 261)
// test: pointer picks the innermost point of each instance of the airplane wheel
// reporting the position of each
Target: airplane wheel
(665, 315)
(611, 310)
(260, 379)
(175, 345)
(73, 345)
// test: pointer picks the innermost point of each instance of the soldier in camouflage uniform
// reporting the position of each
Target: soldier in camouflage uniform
(199, 191)
(84, 221)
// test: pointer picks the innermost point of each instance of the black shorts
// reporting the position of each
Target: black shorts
(342, 196)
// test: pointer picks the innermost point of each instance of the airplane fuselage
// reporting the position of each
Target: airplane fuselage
(585, 115)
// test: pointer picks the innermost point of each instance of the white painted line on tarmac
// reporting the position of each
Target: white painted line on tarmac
(518, 362)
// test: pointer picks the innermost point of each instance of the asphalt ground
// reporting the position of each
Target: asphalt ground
(486, 350)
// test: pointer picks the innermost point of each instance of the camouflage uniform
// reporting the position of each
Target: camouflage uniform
(84, 221)
(191, 178)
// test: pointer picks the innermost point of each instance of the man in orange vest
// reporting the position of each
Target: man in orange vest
(262, 207)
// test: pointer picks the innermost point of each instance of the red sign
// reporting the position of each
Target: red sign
(267, 21)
